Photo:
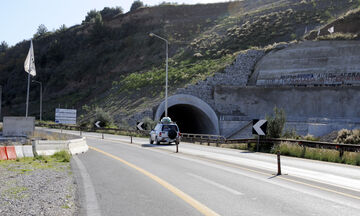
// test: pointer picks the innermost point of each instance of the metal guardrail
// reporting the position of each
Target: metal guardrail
(218, 139)
(205, 138)
(88, 129)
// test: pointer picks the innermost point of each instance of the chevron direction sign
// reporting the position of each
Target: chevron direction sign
(139, 125)
(259, 127)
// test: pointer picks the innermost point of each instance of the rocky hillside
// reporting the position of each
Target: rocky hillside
(115, 65)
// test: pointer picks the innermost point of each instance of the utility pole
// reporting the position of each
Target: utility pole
(0, 102)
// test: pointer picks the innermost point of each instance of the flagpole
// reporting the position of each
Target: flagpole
(28, 86)
(27, 95)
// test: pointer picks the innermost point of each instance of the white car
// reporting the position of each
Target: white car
(165, 131)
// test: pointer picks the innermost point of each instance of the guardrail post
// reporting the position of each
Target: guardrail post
(80, 132)
(131, 139)
(102, 135)
(341, 151)
(278, 162)
(258, 143)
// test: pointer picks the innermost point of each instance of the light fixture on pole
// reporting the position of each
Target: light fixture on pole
(166, 71)
(40, 97)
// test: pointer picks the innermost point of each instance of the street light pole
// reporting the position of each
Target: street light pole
(166, 70)
(40, 97)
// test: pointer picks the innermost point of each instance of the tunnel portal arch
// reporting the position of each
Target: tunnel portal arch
(191, 114)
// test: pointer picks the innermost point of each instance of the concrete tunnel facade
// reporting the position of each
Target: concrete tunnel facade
(192, 114)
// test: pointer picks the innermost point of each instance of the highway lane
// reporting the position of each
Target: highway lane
(340, 175)
(225, 188)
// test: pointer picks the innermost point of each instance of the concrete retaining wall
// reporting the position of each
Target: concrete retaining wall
(311, 63)
(298, 103)
(18, 126)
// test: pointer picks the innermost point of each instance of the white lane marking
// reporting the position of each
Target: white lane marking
(92, 207)
(216, 184)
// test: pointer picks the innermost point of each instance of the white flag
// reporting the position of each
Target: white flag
(29, 64)
(331, 30)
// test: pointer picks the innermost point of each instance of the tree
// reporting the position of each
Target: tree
(90, 17)
(276, 123)
(108, 13)
(136, 5)
(3, 46)
(41, 30)
(99, 30)
(62, 28)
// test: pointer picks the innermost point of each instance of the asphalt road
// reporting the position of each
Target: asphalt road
(118, 178)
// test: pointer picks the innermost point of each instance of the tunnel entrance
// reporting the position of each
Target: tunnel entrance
(190, 119)
(192, 114)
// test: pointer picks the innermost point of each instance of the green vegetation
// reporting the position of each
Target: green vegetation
(41, 31)
(276, 123)
(136, 5)
(15, 192)
(339, 36)
(61, 156)
(3, 46)
(28, 164)
(294, 150)
(348, 136)
(178, 73)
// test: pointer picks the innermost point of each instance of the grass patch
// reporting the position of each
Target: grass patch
(61, 156)
(27, 164)
(15, 192)
(240, 146)
(339, 36)
(178, 72)
(49, 136)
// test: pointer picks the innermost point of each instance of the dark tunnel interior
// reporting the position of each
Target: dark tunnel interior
(190, 119)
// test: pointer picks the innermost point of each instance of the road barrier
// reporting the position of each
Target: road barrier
(19, 151)
(49, 147)
(3, 155)
(28, 151)
(78, 146)
(10, 152)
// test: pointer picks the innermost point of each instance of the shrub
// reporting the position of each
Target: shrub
(104, 118)
(149, 123)
(62, 156)
(276, 123)
(311, 138)
(348, 136)
(339, 36)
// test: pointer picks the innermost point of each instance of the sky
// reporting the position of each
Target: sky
(19, 19)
